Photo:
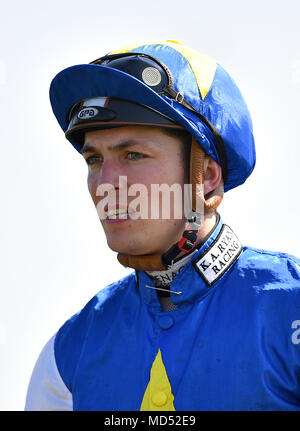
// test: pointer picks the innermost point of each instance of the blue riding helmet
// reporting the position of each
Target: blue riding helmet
(165, 84)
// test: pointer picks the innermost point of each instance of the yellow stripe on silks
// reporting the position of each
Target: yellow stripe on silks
(204, 67)
(158, 395)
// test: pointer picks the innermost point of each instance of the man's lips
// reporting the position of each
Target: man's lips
(117, 212)
(115, 207)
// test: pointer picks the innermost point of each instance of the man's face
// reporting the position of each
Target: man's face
(141, 156)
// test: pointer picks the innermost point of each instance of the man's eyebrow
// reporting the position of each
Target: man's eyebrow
(88, 148)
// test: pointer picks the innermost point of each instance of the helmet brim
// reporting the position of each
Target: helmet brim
(85, 81)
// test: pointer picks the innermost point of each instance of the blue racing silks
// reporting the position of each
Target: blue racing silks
(233, 343)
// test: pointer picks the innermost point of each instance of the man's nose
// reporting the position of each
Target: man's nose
(109, 173)
(114, 174)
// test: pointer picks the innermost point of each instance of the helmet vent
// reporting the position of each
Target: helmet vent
(151, 76)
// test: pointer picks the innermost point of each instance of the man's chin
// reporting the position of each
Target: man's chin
(125, 250)
(129, 249)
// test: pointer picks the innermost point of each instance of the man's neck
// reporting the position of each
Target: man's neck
(163, 279)
(209, 223)
(204, 232)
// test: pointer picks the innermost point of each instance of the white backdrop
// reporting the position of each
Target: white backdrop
(54, 256)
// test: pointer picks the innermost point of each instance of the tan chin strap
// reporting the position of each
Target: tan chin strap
(198, 165)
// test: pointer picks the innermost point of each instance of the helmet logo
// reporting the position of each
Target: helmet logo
(151, 76)
(87, 113)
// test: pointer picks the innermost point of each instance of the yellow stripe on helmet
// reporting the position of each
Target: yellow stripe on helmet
(203, 67)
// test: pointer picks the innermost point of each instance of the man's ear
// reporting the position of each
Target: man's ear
(212, 176)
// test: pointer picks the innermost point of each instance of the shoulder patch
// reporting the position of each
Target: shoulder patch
(219, 257)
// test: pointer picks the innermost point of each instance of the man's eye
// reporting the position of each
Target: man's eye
(93, 160)
(135, 156)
